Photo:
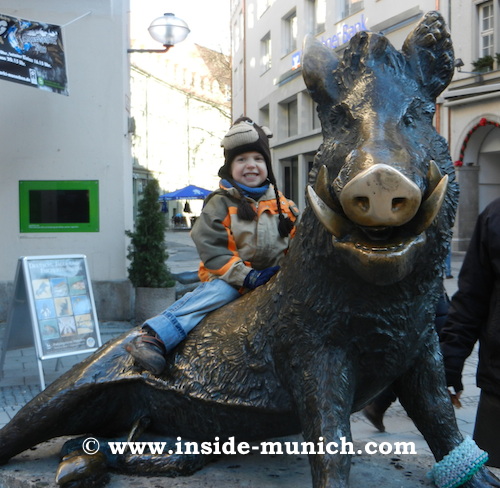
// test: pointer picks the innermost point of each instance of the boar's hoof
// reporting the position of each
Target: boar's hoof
(80, 470)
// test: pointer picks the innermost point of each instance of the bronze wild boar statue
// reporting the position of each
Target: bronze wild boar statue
(350, 312)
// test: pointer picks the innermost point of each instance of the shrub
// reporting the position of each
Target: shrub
(147, 251)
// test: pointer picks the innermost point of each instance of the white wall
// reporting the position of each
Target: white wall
(47, 136)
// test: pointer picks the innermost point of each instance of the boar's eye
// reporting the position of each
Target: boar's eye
(417, 109)
(340, 118)
(409, 119)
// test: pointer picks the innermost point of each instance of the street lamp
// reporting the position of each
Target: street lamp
(458, 63)
(168, 30)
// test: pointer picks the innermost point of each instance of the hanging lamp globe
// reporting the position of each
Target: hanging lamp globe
(168, 30)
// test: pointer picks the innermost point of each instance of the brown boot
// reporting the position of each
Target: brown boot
(148, 350)
(375, 416)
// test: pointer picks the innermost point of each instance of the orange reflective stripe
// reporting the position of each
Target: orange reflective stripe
(231, 243)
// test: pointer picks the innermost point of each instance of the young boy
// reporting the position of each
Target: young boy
(241, 236)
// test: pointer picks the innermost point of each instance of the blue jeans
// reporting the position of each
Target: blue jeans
(447, 265)
(174, 323)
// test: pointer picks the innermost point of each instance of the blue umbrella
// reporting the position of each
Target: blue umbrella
(190, 192)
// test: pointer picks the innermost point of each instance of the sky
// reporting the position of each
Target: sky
(208, 21)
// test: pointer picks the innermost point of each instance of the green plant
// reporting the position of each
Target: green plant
(147, 251)
(483, 64)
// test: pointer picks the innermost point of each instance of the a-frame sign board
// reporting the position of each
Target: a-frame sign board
(52, 308)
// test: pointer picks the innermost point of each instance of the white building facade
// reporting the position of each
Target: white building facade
(123, 119)
(180, 104)
(472, 109)
(268, 86)
(79, 141)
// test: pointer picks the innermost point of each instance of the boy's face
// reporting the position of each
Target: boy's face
(249, 169)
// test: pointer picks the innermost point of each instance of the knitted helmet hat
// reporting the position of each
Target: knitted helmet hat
(246, 136)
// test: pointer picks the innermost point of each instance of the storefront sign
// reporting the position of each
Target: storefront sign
(32, 53)
(345, 33)
(342, 36)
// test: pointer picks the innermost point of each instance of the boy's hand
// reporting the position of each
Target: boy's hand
(257, 278)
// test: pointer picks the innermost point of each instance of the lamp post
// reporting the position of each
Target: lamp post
(168, 30)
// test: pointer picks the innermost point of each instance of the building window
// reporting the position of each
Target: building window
(264, 116)
(238, 78)
(292, 118)
(291, 178)
(288, 118)
(290, 33)
(486, 27)
(316, 124)
(316, 16)
(350, 7)
(265, 53)
(238, 33)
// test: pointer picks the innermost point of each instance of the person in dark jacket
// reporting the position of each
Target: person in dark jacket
(474, 315)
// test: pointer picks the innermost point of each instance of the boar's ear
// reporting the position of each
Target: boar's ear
(318, 64)
(429, 51)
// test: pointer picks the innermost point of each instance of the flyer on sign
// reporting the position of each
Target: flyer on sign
(63, 305)
(32, 53)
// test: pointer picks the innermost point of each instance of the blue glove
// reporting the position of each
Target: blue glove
(256, 278)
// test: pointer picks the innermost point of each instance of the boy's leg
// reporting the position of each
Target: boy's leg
(163, 332)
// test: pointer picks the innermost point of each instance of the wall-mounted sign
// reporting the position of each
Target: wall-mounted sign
(53, 309)
(59, 206)
(32, 53)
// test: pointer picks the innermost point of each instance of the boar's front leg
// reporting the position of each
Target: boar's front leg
(324, 402)
(422, 392)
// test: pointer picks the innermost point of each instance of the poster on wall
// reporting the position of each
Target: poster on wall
(32, 53)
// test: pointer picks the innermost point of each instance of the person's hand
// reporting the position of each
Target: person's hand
(455, 398)
(257, 278)
(453, 371)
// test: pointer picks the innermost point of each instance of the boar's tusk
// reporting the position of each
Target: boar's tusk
(331, 221)
(431, 206)
(321, 188)
(434, 176)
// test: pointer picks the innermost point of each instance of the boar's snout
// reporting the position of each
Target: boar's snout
(380, 196)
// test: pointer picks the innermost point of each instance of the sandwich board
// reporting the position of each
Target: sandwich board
(52, 309)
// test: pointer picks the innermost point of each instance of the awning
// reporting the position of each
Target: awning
(190, 192)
